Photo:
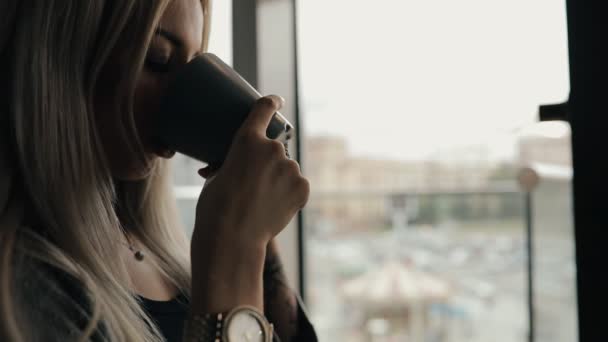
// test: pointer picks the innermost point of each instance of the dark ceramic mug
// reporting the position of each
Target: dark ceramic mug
(203, 108)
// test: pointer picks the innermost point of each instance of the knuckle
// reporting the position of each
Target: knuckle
(293, 167)
(288, 171)
(302, 188)
(303, 185)
(277, 148)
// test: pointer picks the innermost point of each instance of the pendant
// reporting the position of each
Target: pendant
(139, 256)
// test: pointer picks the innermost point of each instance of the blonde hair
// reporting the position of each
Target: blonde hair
(59, 204)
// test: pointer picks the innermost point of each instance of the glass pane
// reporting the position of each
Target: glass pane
(418, 116)
(188, 183)
(554, 276)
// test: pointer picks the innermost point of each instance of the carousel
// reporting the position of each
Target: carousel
(394, 303)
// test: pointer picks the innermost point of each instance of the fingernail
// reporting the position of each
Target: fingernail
(279, 100)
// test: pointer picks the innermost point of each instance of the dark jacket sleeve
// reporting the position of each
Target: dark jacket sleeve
(306, 332)
(51, 304)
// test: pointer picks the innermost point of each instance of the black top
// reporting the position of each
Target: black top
(169, 316)
(58, 308)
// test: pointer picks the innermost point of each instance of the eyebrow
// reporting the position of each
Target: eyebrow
(170, 37)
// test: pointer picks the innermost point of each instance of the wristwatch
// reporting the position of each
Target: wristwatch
(241, 324)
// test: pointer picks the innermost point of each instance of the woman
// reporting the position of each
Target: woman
(90, 245)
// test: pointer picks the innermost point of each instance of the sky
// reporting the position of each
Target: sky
(418, 79)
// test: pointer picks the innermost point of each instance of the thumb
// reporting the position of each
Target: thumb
(261, 114)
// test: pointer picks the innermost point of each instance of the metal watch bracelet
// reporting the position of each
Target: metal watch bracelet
(212, 327)
(203, 328)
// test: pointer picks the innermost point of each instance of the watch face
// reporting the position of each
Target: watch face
(245, 327)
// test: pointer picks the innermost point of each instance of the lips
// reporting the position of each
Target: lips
(165, 153)
(161, 151)
(158, 149)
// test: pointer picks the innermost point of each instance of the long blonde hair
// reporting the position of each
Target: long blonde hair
(58, 200)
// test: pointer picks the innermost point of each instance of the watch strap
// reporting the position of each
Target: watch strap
(212, 327)
(204, 328)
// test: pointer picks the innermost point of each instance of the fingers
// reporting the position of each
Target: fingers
(258, 120)
(204, 172)
(302, 188)
(299, 186)
(207, 172)
(277, 150)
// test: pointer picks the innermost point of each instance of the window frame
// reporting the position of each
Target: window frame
(256, 43)
(586, 21)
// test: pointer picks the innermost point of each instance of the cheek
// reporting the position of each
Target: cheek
(148, 93)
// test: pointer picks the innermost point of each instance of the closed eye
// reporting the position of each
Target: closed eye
(158, 59)
(154, 66)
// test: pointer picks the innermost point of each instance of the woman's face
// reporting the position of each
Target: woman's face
(177, 41)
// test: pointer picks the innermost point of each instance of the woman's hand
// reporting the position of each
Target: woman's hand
(252, 198)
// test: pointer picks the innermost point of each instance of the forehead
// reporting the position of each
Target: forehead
(184, 18)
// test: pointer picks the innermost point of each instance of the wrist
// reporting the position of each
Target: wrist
(225, 276)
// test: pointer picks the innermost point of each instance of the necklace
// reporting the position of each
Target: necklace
(137, 253)
(139, 256)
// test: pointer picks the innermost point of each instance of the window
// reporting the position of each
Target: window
(419, 116)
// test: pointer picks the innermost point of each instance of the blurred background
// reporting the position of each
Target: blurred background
(415, 119)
